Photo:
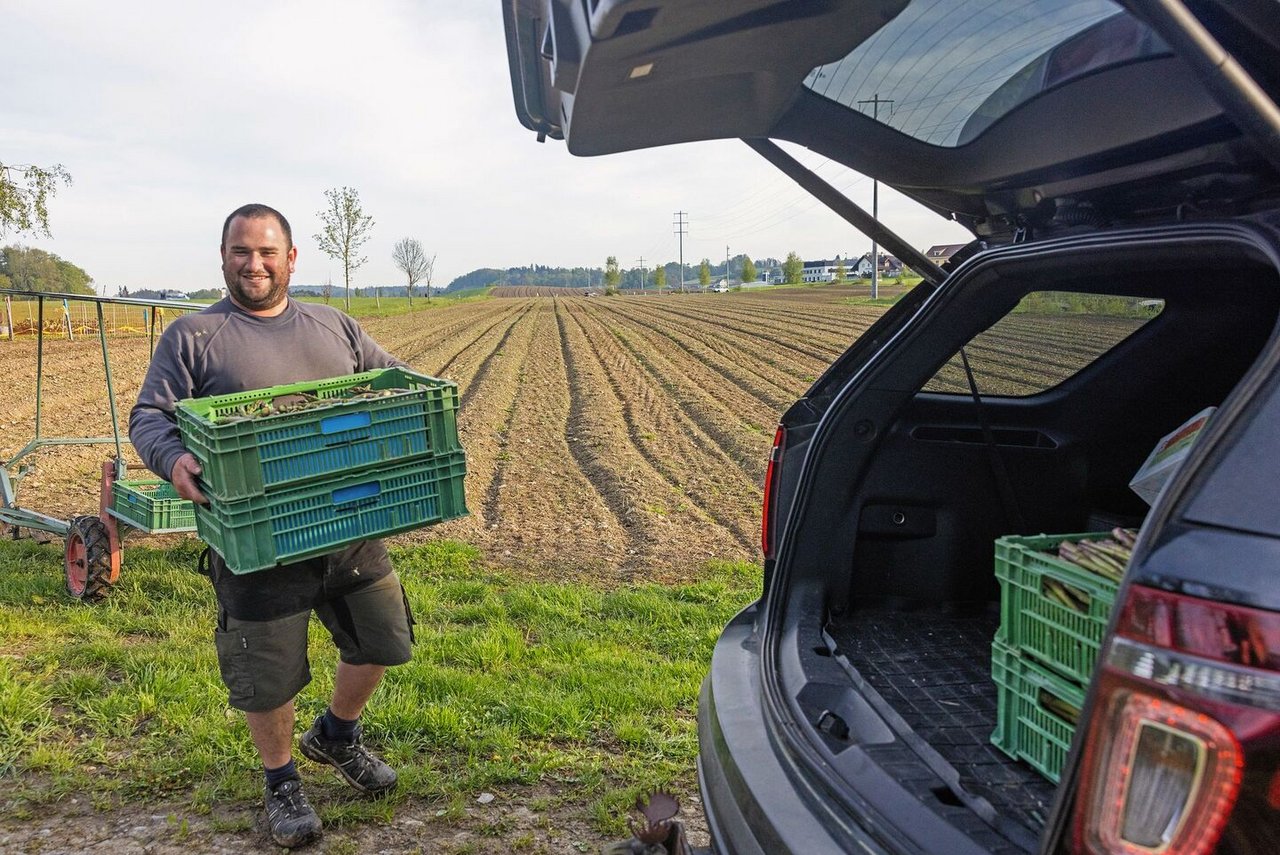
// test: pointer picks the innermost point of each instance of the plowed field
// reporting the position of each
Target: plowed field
(607, 438)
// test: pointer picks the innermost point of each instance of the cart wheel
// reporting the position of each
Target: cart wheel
(88, 560)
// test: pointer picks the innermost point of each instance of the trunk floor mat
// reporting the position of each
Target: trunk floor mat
(933, 669)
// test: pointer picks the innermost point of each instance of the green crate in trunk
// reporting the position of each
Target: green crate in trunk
(291, 524)
(243, 457)
(1031, 723)
(1036, 625)
(152, 506)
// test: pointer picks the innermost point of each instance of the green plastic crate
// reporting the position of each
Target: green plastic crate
(253, 456)
(1033, 624)
(1026, 727)
(152, 506)
(301, 522)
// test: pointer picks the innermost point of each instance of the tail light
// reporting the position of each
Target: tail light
(1183, 749)
(770, 475)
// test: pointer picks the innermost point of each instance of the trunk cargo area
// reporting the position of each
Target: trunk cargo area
(927, 671)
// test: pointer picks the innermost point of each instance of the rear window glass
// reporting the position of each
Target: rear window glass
(943, 71)
(1047, 338)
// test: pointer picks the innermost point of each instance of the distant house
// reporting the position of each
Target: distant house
(939, 253)
(889, 265)
(823, 270)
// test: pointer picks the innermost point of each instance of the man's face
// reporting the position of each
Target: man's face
(257, 262)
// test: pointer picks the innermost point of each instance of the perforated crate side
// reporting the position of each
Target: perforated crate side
(1034, 624)
(259, 532)
(1025, 728)
(151, 505)
(249, 457)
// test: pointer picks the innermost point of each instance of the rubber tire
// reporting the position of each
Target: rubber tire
(87, 560)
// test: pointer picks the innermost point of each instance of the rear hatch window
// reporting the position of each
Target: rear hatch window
(1049, 337)
(942, 72)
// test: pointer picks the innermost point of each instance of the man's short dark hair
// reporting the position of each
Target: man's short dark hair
(253, 211)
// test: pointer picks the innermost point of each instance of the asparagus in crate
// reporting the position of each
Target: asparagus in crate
(1106, 557)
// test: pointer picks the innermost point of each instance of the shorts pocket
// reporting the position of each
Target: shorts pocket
(263, 663)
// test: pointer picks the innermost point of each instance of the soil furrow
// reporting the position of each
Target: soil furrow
(587, 434)
(735, 364)
(735, 421)
(543, 512)
(486, 364)
(674, 446)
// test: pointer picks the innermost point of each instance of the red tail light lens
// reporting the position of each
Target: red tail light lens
(1186, 730)
(1166, 779)
(770, 473)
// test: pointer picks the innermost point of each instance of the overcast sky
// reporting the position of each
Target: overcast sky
(170, 115)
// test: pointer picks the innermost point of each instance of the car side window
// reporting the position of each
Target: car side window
(1047, 338)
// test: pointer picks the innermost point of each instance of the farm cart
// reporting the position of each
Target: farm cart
(92, 542)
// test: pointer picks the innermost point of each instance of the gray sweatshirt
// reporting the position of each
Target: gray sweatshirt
(224, 349)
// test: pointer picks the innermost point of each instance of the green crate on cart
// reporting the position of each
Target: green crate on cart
(301, 522)
(1034, 623)
(404, 416)
(1034, 720)
(151, 505)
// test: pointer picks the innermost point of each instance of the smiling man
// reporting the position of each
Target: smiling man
(258, 257)
(255, 338)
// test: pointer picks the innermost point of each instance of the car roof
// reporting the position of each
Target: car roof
(995, 114)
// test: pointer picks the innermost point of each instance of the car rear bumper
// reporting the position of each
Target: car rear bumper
(752, 805)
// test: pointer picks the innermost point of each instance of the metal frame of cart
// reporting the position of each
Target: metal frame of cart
(93, 549)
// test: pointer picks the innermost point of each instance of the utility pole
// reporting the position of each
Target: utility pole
(875, 200)
(726, 265)
(680, 225)
(642, 274)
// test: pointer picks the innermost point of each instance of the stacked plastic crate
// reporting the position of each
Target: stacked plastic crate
(303, 469)
(151, 505)
(1053, 615)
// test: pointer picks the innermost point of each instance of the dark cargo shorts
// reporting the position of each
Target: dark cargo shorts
(264, 664)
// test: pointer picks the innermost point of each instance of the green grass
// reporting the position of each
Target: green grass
(513, 683)
(370, 307)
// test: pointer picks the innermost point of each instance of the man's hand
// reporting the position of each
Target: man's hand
(183, 478)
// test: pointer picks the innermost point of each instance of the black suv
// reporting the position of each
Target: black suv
(1119, 168)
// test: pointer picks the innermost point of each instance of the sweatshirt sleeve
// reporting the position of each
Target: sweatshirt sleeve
(371, 354)
(153, 421)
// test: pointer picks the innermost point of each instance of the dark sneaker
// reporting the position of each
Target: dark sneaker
(360, 766)
(292, 821)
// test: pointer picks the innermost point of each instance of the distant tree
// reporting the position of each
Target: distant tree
(704, 273)
(660, 277)
(429, 272)
(612, 275)
(841, 273)
(412, 261)
(24, 196)
(345, 229)
(36, 270)
(792, 269)
(748, 269)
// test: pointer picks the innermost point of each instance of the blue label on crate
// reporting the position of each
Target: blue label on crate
(347, 421)
(347, 495)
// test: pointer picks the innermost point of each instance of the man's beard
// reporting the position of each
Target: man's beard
(275, 295)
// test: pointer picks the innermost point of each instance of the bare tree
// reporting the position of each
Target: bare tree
(346, 229)
(426, 277)
(413, 262)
